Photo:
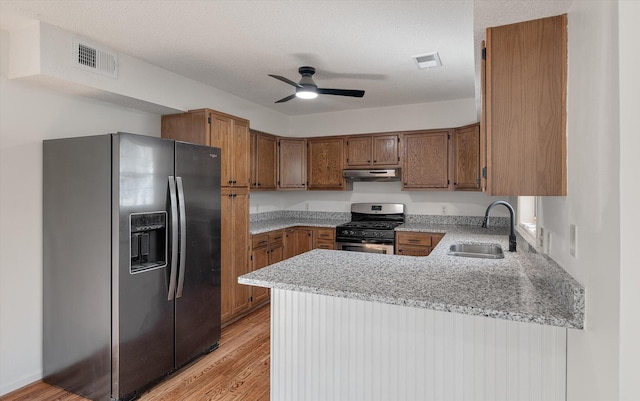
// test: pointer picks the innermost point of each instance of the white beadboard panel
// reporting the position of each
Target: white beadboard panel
(328, 348)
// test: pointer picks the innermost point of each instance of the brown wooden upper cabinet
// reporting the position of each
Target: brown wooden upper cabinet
(426, 160)
(325, 163)
(524, 108)
(212, 128)
(263, 161)
(465, 142)
(366, 151)
(292, 163)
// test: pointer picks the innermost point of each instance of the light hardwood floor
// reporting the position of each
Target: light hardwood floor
(238, 370)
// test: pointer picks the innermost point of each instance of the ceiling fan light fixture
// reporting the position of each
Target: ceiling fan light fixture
(306, 94)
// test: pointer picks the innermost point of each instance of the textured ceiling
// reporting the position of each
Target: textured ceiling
(233, 45)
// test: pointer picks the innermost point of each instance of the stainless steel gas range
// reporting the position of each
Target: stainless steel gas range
(371, 228)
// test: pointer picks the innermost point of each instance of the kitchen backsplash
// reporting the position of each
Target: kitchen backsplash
(410, 218)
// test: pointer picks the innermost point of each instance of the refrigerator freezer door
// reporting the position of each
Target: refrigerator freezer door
(197, 327)
(143, 348)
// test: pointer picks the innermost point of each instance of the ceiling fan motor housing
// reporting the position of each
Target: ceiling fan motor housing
(307, 73)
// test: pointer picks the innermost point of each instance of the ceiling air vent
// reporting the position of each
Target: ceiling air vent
(90, 57)
(428, 60)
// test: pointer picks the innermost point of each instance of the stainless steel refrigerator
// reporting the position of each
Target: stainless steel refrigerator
(131, 261)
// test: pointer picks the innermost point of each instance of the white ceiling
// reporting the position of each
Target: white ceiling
(233, 45)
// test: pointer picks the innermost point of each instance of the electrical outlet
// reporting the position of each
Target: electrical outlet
(444, 209)
(306, 206)
(257, 208)
(541, 238)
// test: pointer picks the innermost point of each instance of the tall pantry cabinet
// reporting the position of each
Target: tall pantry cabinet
(231, 135)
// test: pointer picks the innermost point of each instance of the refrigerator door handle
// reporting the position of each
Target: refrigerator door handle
(183, 236)
(173, 204)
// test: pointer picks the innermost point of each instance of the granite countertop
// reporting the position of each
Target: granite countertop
(259, 227)
(525, 286)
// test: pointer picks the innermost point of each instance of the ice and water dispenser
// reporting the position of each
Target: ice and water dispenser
(148, 241)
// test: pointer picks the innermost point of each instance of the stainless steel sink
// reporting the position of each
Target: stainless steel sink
(487, 251)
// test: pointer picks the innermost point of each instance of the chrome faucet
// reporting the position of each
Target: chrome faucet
(512, 235)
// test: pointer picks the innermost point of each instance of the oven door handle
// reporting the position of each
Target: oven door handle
(365, 241)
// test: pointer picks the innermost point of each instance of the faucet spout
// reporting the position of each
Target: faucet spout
(512, 234)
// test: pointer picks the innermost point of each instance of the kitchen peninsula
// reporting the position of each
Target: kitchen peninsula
(349, 325)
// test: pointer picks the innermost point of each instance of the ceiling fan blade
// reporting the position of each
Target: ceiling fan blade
(286, 99)
(286, 80)
(341, 92)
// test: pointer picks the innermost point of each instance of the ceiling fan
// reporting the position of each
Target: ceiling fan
(307, 89)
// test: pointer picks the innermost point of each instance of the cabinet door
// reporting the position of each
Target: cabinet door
(303, 240)
(234, 251)
(226, 254)
(253, 169)
(358, 151)
(466, 158)
(221, 138)
(259, 259)
(385, 150)
(187, 127)
(264, 157)
(276, 252)
(426, 160)
(525, 108)
(297, 240)
(240, 163)
(240, 247)
(292, 165)
(325, 163)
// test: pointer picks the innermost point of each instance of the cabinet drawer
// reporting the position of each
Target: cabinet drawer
(325, 234)
(275, 236)
(410, 250)
(325, 244)
(259, 240)
(408, 238)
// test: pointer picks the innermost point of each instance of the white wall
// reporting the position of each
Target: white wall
(417, 202)
(629, 30)
(28, 115)
(593, 200)
(40, 53)
(454, 113)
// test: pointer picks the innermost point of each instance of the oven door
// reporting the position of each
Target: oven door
(365, 247)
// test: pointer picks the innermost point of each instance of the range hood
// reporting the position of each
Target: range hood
(392, 174)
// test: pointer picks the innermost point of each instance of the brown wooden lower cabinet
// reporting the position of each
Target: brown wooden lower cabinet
(324, 238)
(416, 243)
(297, 240)
(266, 249)
(234, 229)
